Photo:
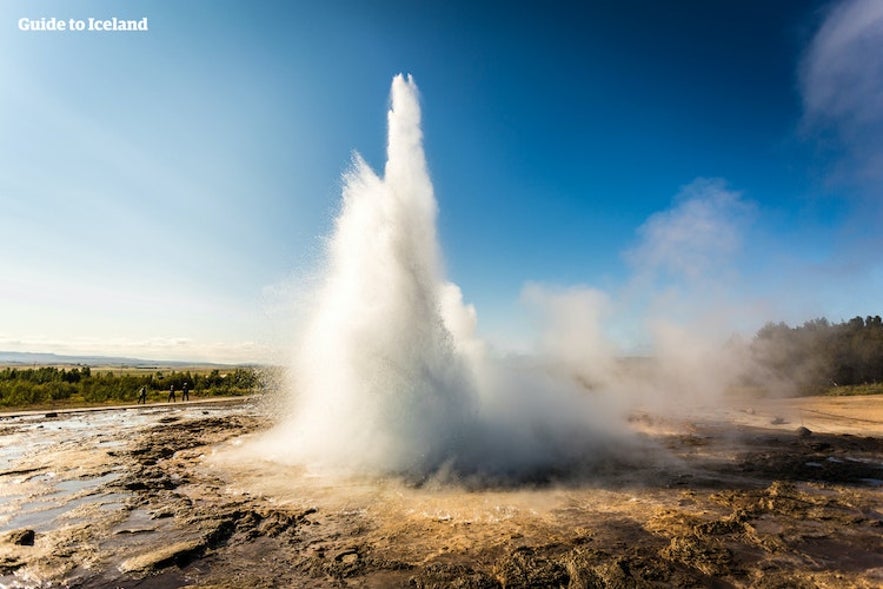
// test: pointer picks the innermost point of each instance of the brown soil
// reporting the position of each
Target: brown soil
(777, 494)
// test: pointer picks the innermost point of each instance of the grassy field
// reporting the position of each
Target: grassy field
(853, 390)
(59, 387)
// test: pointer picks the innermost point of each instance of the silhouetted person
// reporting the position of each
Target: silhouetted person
(185, 394)
(142, 396)
(172, 394)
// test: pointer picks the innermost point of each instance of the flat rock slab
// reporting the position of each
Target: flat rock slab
(162, 557)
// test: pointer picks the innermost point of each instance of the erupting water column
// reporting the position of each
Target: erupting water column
(380, 386)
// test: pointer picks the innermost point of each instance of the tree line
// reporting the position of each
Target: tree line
(47, 384)
(819, 354)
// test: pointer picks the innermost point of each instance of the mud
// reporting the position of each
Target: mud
(772, 495)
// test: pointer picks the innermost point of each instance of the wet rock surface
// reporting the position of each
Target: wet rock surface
(139, 501)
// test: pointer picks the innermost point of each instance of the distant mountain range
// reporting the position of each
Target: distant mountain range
(43, 358)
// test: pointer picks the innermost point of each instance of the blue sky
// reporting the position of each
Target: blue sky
(164, 194)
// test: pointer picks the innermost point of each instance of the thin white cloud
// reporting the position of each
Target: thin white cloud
(689, 240)
(841, 82)
(151, 348)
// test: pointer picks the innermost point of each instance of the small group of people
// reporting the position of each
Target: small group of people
(185, 394)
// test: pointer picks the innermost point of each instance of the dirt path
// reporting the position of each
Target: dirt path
(169, 497)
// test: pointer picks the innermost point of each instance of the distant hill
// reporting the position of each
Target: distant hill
(44, 358)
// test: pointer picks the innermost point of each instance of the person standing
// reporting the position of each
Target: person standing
(142, 396)
(171, 394)
(185, 394)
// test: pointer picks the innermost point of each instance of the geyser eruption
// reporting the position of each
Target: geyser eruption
(388, 376)
(380, 385)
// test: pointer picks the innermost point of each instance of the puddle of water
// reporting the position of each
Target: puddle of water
(39, 515)
(7, 500)
(138, 521)
(137, 531)
(97, 421)
(36, 519)
(72, 486)
(14, 447)
(871, 461)
(62, 497)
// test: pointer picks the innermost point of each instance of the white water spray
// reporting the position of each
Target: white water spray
(379, 384)
(389, 376)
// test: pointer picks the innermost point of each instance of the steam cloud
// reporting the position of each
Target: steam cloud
(675, 318)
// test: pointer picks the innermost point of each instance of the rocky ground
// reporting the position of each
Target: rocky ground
(776, 494)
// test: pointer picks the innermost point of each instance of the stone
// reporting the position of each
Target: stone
(24, 537)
